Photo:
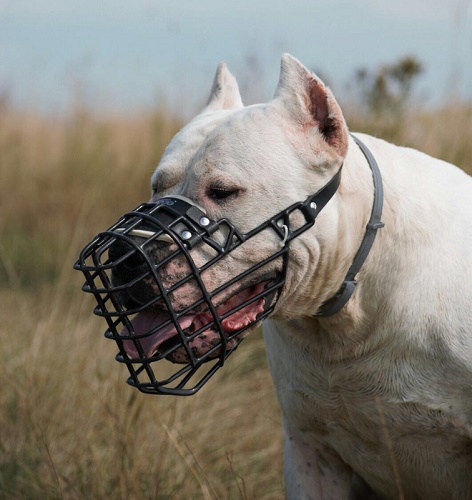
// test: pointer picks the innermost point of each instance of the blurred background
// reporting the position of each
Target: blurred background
(121, 55)
(90, 94)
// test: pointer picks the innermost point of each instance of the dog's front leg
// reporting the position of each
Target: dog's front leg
(313, 473)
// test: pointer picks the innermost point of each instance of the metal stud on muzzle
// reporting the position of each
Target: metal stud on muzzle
(147, 273)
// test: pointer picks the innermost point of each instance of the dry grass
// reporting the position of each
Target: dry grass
(443, 133)
(69, 426)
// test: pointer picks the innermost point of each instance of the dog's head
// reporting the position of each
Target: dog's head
(191, 273)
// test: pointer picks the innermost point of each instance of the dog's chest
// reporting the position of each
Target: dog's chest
(376, 414)
(385, 441)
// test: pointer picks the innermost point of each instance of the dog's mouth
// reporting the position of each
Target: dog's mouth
(157, 334)
(185, 302)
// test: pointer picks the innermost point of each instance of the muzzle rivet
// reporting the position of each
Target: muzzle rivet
(313, 205)
(204, 221)
(186, 235)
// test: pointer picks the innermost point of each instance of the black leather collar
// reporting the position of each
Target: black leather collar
(336, 303)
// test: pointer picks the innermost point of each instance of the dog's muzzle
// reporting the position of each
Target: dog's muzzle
(139, 270)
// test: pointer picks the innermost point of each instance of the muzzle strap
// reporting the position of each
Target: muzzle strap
(310, 208)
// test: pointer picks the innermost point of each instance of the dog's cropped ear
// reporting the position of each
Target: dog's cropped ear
(311, 104)
(225, 91)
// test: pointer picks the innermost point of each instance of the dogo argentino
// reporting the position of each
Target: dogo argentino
(369, 342)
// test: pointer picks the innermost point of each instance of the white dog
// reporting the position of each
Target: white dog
(376, 398)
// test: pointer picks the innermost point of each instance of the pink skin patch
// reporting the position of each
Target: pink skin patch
(148, 320)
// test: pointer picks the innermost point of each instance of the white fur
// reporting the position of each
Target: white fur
(382, 391)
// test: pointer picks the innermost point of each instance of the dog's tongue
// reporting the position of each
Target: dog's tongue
(148, 320)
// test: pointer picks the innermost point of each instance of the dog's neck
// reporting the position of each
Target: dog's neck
(322, 257)
(339, 300)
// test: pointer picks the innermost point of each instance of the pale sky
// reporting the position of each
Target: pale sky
(125, 54)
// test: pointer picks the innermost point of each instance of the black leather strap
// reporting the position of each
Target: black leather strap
(336, 303)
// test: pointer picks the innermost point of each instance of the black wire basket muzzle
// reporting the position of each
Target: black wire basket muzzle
(138, 269)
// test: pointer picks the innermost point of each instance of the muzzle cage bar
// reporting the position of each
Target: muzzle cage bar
(180, 226)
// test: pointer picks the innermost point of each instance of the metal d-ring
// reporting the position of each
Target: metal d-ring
(285, 229)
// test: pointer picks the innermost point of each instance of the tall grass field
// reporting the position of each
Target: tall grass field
(69, 425)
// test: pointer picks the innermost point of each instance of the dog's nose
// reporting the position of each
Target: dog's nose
(120, 249)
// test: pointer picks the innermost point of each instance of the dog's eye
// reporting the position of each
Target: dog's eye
(221, 193)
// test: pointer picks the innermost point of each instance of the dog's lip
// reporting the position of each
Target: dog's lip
(148, 320)
(264, 280)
